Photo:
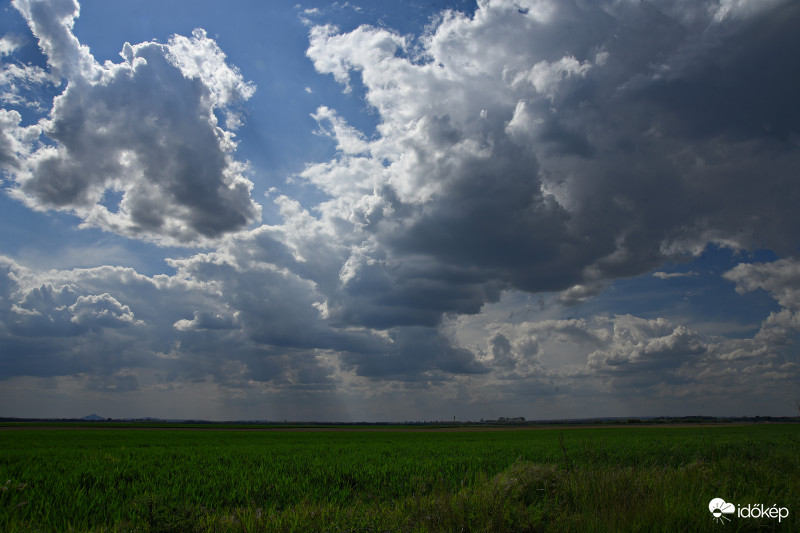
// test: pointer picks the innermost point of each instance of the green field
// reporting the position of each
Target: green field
(584, 479)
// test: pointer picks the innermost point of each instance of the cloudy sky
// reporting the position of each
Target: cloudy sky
(399, 210)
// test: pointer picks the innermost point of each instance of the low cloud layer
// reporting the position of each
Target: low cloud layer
(531, 148)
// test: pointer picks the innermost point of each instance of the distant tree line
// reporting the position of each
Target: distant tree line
(505, 420)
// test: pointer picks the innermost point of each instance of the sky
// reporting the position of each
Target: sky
(399, 210)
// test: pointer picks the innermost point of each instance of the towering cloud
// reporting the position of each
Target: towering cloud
(135, 147)
(553, 146)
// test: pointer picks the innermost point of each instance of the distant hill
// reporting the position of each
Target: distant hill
(92, 418)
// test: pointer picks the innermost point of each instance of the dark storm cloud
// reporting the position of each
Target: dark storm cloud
(105, 325)
(734, 82)
(415, 354)
(410, 290)
(561, 146)
(285, 314)
(495, 218)
(68, 323)
(502, 351)
(53, 327)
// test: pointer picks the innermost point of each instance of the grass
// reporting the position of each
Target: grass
(589, 479)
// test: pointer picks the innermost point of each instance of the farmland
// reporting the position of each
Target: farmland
(633, 478)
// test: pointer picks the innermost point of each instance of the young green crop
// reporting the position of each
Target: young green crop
(190, 480)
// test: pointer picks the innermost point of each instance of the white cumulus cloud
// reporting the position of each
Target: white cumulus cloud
(135, 147)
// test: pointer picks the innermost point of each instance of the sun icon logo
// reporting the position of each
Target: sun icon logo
(719, 508)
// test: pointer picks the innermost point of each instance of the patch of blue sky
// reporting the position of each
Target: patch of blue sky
(693, 293)
(111, 200)
(54, 240)
(31, 99)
